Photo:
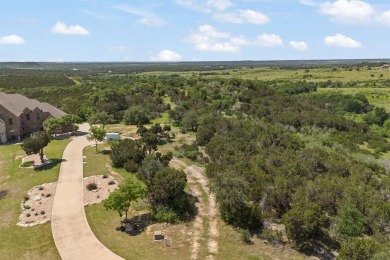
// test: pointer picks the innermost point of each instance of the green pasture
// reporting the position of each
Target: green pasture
(320, 74)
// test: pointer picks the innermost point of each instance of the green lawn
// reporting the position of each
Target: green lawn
(24, 242)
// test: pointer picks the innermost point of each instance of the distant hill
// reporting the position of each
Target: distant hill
(85, 67)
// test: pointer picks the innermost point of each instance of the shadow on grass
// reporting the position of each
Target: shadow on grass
(322, 247)
(105, 152)
(3, 194)
(135, 225)
(54, 162)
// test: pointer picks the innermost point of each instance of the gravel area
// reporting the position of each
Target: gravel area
(105, 185)
(37, 205)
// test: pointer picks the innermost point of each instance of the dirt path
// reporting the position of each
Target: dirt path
(71, 232)
(207, 211)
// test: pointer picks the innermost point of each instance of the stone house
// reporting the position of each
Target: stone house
(21, 116)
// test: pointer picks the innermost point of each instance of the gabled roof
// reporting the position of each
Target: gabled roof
(16, 103)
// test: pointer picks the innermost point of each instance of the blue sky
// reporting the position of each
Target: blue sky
(193, 30)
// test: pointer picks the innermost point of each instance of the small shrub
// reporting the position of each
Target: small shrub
(28, 215)
(36, 214)
(105, 176)
(43, 212)
(43, 194)
(26, 197)
(92, 186)
(27, 207)
(164, 214)
(246, 236)
(112, 182)
(40, 188)
(32, 209)
(27, 164)
(130, 166)
(48, 195)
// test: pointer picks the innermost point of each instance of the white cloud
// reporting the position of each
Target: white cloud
(299, 46)
(166, 55)
(207, 38)
(342, 41)
(384, 18)
(62, 28)
(268, 40)
(12, 39)
(205, 6)
(348, 11)
(242, 16)
(146, 17)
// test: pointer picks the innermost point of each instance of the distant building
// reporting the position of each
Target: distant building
(21, 116)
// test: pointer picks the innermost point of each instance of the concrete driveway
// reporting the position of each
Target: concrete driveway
(71, 232)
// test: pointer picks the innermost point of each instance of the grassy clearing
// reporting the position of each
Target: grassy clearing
(164, 119)
(25, 242)
(377, 96)
(96, 161)
(232, 247)
(362, 74)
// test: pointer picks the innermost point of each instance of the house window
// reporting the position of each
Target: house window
(10, 121)
(28, 116)
(38, 117)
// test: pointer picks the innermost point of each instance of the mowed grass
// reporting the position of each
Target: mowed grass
(25, 242)
(103, 223)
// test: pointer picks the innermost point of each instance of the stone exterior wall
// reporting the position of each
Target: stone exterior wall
(12, 124)
(31, 120)
(21, 126)
(3, 131)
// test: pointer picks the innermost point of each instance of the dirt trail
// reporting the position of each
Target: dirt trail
(207, 210)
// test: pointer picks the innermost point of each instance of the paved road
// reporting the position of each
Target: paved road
(72, 234)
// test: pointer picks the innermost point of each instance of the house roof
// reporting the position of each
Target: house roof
(16, 103)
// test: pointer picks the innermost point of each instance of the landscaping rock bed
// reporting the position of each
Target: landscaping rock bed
(36, 206)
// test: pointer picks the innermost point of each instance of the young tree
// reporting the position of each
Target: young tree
(52, 124)
(96, 134)
(36, 143)
(136, 115)
(349, 222)
(358, 249)
(126, 150)
(100, 118)
(150, 141)
(131, 189)
(71, 120)
(302, 222)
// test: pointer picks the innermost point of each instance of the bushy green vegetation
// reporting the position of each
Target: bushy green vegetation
(297, 145)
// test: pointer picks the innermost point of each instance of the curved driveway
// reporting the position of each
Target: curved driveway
(71, 232)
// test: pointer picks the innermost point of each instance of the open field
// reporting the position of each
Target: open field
(25, 242)
(377, 96)
(363, 74)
